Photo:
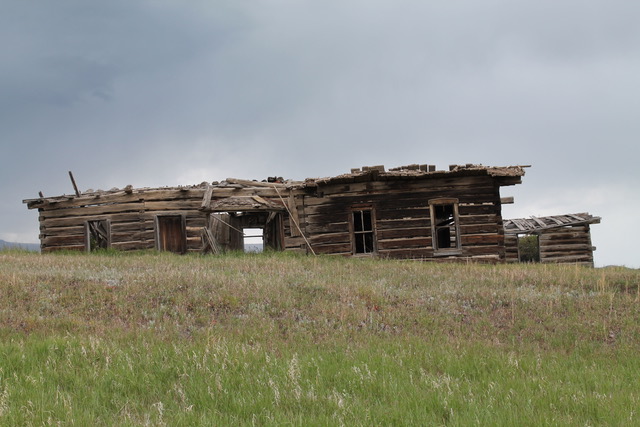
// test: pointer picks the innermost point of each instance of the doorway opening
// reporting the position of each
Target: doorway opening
(253, 240)
(528, 248)
(248, 231)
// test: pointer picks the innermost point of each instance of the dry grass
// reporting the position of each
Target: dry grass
(276, 338)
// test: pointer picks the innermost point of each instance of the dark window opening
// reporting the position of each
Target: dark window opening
(443, 237)
(98, 235)
(528, 248)
(363, 233)
(171, 234)
(444, 224)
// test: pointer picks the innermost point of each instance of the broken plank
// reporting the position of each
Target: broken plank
(206, 199)
(249, 183)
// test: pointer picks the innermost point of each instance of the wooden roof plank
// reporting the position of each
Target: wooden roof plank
(206, 199)
(533, 224)
(538, 221)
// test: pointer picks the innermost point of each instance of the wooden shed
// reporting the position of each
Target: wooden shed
(413, 211)
(550, 239)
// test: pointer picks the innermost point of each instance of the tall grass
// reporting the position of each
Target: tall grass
(272, 339)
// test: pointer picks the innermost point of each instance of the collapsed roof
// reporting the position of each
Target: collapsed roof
(535, 224)
(507, 175)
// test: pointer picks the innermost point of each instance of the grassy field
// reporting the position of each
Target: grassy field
(279, 339)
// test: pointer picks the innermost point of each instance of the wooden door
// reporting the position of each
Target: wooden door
(171, 234)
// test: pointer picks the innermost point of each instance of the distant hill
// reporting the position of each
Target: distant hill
(253, 247)
(27, 246)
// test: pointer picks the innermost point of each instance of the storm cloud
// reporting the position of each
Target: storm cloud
(154, 93)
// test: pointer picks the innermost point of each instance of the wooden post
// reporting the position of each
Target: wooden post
(73, 181)
(206, 200)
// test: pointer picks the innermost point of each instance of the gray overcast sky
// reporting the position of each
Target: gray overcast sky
(156, 93)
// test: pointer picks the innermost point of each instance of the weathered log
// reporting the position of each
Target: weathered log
(73, 181)
(249, 183)
(206, 199)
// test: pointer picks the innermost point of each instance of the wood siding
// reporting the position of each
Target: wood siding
(312, 216)
(402, 217)
(132, 218)
(569, 244)
(511, 248)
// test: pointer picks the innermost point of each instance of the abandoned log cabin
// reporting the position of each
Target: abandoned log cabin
(413, 211)
(551, 239)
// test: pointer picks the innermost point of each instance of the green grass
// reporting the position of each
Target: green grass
(280, 339)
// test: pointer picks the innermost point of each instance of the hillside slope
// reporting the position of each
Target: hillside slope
(12, 245)
(275, 339)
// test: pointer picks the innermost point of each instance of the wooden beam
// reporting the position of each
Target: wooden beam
(506, 200)
(249, 183)
(210, 242)
(73, 181)
(539, 221)
(206, 200)
(293, 212)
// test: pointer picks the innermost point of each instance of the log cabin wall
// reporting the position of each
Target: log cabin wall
(567, 245)
(401, 212)
(511, 248)
(172, 219)
(561, 238)
(131, 217)
(391, 214)
(295, 223)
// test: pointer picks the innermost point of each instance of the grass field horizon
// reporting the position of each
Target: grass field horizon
(282, 339)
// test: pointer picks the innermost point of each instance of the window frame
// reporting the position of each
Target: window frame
(88, 234)
(445, 201)
(355, 234)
